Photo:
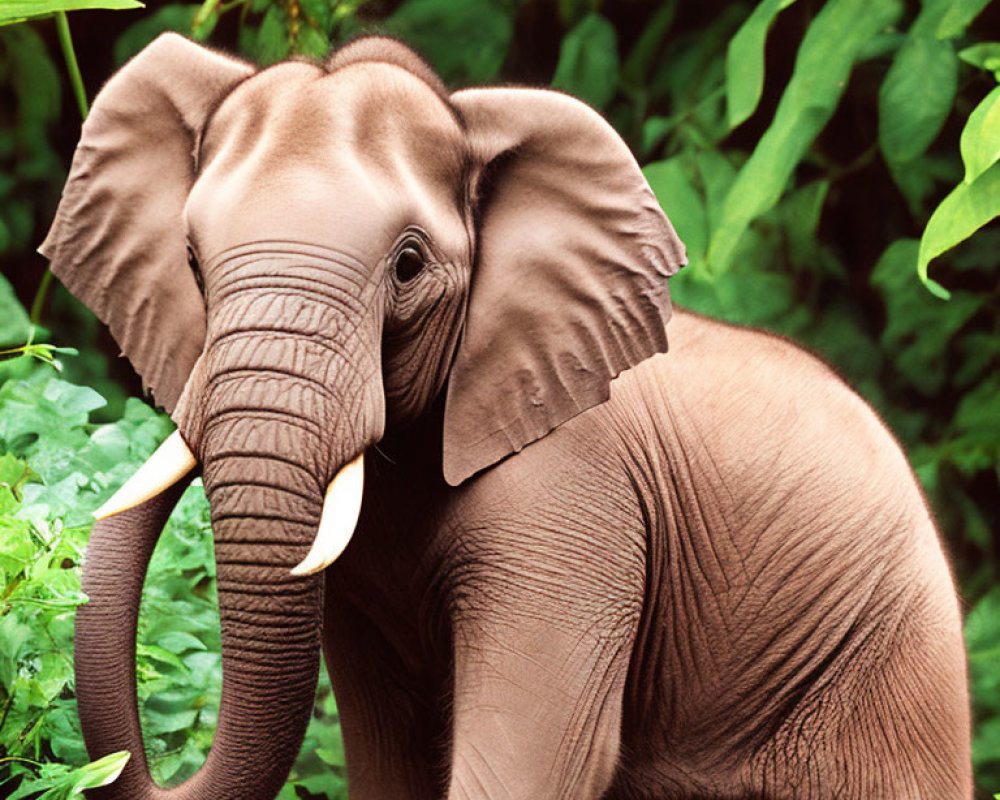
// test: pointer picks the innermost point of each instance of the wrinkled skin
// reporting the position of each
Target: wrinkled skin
(716, 578)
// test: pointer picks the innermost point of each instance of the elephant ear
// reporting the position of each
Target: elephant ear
(570, 281)
(118, 240)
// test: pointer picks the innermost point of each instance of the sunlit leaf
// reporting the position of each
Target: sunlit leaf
(588, 61)
(12, 11)
(980, 140)
(745, 61)
(102, 772)
(960, 214)
(822, 67)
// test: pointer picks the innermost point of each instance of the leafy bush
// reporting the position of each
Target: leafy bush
(819, 159)
(57, 466)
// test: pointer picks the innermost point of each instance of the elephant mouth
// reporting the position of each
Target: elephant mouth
(173, 461)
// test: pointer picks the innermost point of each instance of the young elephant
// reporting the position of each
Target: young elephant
(713, 577)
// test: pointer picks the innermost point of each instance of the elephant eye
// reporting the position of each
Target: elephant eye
(409, 263)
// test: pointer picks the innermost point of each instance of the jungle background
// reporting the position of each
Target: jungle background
(831, 166)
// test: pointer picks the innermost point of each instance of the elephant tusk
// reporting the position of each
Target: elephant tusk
(171, 461)
(341, 507)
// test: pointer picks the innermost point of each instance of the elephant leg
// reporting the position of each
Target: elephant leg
(537, 711)
(543, 633)
(388, 723)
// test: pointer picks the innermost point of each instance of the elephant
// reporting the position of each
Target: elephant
(415, 341)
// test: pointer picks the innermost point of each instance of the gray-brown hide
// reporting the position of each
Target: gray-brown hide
(714, 577)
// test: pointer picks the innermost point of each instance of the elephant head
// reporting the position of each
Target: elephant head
(294, 258)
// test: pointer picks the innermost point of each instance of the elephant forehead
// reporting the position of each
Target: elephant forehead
(379, 115)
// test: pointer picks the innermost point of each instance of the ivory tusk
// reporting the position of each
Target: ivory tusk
(341, 507)
(171, 461)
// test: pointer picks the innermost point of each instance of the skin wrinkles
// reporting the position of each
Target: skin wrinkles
(824, 654)
(703, 582)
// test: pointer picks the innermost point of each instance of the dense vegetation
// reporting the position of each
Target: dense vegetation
(819, 159)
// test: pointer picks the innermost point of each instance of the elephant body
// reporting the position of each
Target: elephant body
(584, 567)
(753, 602)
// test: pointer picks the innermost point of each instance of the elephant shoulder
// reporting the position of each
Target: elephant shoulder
(755, 405)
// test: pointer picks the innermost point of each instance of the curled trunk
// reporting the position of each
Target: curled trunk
(275, 409)
(270, 623)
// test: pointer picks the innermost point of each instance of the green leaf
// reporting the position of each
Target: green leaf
(985, 55)
(319, 12)
(12, 11)
(745, 61)
(15, 326)
(822, 68)
(960, 214)
(436, 27)
(957, 17)
(102, 772)
(588, 61)
(312, 42)
(682, 204)
(916, 97)
(980, 140)
(272, 38)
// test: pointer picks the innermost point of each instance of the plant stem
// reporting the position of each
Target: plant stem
(66, 42)
(39, 301)
(76, 81)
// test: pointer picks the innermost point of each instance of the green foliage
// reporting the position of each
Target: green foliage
(27, 161)
(745, 61)
(56, 466)
(812, 196)
(827, 54)
(588, 61)
(960, 214)
(484, 27)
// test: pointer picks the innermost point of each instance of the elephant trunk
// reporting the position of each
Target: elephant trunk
(269, 441)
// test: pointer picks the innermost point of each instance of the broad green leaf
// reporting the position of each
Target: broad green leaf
(822, 68)
(980, 140)
(436, 27)
(588, 61)
(682, 204)
(957, 17)
(960, 214)
(985, 56)
(12, 11)
(717, 175)
(102, 772)
(14, 324)
(745, 61)
(916, 97)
